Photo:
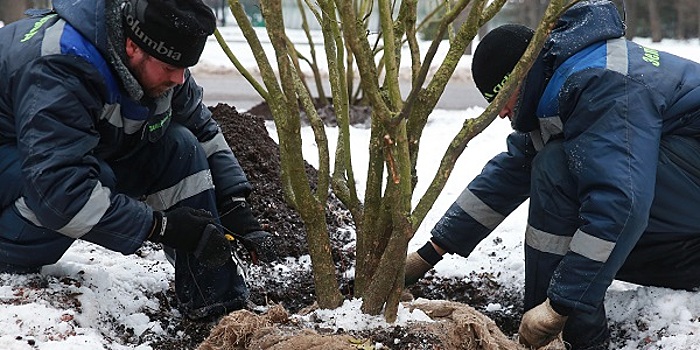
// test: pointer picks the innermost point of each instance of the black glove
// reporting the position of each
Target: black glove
(261, 245)
(213, 250)
(237, 216)
(180, 228)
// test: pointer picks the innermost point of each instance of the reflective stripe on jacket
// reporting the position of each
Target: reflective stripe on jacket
(611, 101)
(65, 108)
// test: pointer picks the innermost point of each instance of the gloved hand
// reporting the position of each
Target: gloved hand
(416, 268)
(419, 263)
(180, 228)
(540, 325)
(261, 245)
(237, 216)
(213, 249)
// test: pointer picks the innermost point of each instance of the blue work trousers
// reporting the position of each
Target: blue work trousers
(151, 168)
(667, 254)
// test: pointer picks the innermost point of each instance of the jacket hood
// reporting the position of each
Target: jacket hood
(585, 23)
(87, 17)
(100, 22)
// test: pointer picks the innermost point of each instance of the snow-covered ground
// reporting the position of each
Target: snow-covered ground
(88, 298)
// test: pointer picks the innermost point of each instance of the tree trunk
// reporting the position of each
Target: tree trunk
(697, 18)
(654, 21)
(682, 7)
(310, 206)
(631, 18)
(385, 221)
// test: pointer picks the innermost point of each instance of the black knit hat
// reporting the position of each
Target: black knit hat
(173, 31)
(496, 56)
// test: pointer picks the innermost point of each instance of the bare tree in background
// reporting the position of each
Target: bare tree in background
(529, 12)
(678, 19)
(631, 18)
(682, 17)
(654, 21)
(12, 10)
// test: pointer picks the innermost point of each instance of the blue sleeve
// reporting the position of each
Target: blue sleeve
(189, 110)
(57, 101)
(612, 132)
(502, 186)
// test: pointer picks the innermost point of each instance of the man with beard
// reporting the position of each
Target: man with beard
(605, 147)
(104, 138)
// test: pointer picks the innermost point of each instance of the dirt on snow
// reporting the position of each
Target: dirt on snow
(278, 293)
(258, 154)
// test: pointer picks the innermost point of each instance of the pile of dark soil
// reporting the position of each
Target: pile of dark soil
(258, 155)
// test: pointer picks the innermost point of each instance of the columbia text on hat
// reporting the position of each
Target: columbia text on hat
(173, 31)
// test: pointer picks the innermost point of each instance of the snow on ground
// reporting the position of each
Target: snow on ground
(88, 298)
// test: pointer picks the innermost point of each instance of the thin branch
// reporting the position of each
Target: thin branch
(472, 127)
(428, 18)
(319, 136)
(365, 61)
(410, 23)
(239, 67)
(449, 17)
(418, 109)
(312, 48)
(294, 56)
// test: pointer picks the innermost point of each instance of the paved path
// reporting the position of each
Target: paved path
(234, 90)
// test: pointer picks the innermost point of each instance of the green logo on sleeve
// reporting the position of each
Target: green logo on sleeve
(651, 56)
(36, 27)
(159, 124)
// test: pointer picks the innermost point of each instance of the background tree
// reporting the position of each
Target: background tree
(654, 21)
(684, 16)
(677, 19)
(12, 10)
(385, 219)
(631, 18)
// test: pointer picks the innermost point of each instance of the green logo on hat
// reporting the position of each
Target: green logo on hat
(496, 89)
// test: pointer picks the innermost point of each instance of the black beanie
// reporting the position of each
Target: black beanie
(496, 56)
(173, 31)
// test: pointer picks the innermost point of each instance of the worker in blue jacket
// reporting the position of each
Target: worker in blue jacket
(104, 138)
(606, 148)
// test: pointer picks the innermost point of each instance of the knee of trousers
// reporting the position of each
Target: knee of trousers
(26, 245)
(180, 162)
(178, 153)
(180, 141)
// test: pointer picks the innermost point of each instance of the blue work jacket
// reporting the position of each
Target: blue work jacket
(610, 101)
(65, 106)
